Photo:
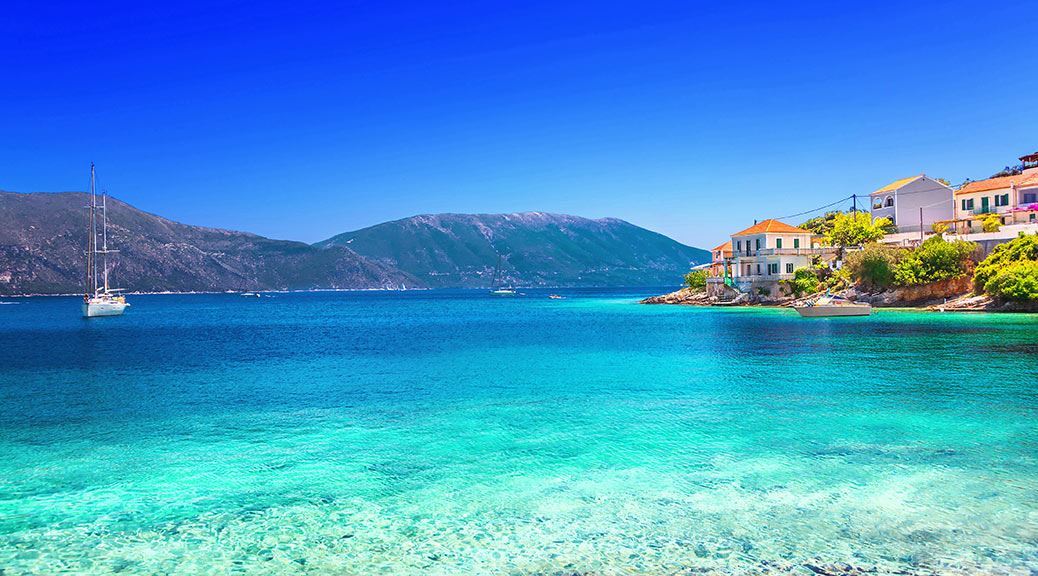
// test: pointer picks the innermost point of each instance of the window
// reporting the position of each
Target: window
(985, 203)
(758, 269)
(789, 268)
(1002, 200)
(738, 245)
(758, 243)
(773, 268)
(877, 203)
(778, 242)
(889, 202)
(796, 242)
(1030, 197)
(967, 204)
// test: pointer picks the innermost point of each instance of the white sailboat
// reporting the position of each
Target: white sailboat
(496, 290)
(99, 299)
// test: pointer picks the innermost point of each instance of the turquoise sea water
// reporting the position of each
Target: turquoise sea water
(454, 433)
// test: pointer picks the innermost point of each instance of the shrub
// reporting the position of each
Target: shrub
(856, 228)
(936, 259)
(939, 228)
(696, 280)
(805, 281)
(991, 223)
(1020, 249)
(873, 266)
(1017, 281)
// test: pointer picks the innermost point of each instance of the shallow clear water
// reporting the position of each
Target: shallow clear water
(454, 433)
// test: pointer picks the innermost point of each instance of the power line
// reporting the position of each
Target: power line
(816, 209)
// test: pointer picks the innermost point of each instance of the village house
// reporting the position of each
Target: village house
(719, 270)
(913, 203)
(1013, 198)
(768, 252)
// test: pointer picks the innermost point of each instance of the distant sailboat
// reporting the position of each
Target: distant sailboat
(496, 290)
(99, 299)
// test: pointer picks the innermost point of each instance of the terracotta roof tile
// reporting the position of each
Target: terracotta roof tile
(727, 247)
(999, 183)
(772, 226)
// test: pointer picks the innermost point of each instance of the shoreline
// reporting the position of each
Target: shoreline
(967, 302)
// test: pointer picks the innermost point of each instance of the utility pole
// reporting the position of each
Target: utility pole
(920, 223)
(854, 199)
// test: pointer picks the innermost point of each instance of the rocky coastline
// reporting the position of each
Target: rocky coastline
(953, 295)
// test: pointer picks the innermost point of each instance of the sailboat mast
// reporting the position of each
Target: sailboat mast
(104, 235)
(93, 226)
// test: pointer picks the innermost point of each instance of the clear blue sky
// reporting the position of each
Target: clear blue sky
(302, 120)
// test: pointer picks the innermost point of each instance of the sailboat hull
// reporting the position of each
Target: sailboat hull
(96, 309)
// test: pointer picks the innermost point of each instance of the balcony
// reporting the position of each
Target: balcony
(796, 251)
(752, 278)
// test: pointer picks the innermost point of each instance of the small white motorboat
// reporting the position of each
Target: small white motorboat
(503, 292)
(250, 294)
(827, 306)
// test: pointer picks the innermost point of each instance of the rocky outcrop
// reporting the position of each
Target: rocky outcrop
(906, 296)
(983, 303)
(683, 296)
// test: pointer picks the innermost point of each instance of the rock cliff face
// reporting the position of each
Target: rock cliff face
(43, 237)
(924, 295)
(535, 249)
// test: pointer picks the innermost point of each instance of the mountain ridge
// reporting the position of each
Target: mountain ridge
(534, 248)
(42, 237)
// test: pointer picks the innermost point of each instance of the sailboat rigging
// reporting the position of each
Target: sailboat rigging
(496, 290)
(99, 299)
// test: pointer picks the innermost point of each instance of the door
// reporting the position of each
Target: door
(984, 205)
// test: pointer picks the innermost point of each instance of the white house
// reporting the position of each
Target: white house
(768, 252)
(911, 203)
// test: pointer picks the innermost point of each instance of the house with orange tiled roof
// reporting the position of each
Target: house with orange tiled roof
(768, 252)
(1014, 198)
(719, 254)
(913, 203)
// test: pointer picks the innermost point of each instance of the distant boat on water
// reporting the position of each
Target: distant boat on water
(99, 299)
(496, 290)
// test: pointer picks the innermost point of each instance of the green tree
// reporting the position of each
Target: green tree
(936, 259)
(821, 225)
(696, 280)
(873, 266)
(1024, 248)
(857, 228)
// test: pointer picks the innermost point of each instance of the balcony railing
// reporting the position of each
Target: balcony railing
(746, 278)
(796, 251)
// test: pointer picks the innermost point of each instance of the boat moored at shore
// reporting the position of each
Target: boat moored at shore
(828, 306)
